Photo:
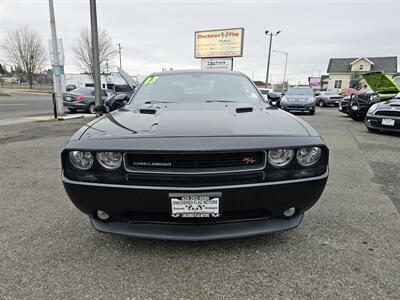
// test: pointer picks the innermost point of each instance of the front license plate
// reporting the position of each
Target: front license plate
(202, 205)
(388, 122)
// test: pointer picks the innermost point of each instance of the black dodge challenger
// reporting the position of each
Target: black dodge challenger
(195, 155)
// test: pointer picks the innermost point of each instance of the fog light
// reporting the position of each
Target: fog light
(289, 212)
(102, 215)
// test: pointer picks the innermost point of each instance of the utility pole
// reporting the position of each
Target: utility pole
(95, 50)
(284, 73)
(119, 51)
(56, 62)
(267, 32)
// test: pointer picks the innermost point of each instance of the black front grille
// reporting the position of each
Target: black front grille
(194, 162)
(393, 113)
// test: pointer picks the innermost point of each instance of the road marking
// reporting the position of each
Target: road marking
(14, 104)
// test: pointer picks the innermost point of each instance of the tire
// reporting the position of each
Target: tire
(72, 110)
(312, 112)
(90, 108)
(321, 103)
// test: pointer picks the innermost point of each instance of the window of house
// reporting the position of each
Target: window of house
(361, 67)
(338, 84)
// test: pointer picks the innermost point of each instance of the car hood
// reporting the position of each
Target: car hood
(379, 81)
(208, 119)
(390, 104)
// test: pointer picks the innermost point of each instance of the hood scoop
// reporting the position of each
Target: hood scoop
(147, 111)
(244, 110)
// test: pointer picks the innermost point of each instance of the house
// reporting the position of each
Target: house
(341, 70)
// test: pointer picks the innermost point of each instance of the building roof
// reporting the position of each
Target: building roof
(343, 65)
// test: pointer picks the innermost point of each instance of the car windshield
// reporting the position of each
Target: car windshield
(300, 91)
(196, 87)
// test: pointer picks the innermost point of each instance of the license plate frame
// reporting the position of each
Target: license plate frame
(195, 205)
(388, 122)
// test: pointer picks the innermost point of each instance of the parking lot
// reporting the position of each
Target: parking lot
(346, 247)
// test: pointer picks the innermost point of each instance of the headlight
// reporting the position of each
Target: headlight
(109, 160)
(280, 157)
(81, 160)
(308, 156)
(354, 107)
(310, 99)
(372, 109)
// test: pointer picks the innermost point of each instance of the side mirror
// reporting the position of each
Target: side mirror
(273, 96)
(120, 97)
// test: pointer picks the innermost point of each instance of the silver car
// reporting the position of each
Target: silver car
(328, 98)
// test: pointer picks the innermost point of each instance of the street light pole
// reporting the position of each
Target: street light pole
(119, 51)
(95, 53)
(56, 63)
(269, 53)
(284, 73)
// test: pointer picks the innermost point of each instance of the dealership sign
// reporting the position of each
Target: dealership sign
(217, 63)
(219, 43)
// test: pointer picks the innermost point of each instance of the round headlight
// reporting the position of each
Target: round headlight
(81, 160)
(280, 157)
(109, 160)
(308, 156)
(372, 109)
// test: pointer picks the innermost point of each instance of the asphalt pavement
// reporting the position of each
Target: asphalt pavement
(25, 104)
(348, 246)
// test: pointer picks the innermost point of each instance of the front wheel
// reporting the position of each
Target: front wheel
(312, 112)
(90, 108)
(321, 103)
(72, 110)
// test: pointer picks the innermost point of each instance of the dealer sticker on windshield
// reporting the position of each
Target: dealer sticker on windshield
(202, 205)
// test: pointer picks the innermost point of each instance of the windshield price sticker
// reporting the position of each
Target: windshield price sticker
(151, 79)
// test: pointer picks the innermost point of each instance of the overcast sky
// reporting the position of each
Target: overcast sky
(157, 34)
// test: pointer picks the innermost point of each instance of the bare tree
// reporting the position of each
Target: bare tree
(83, 50)
(23, 47)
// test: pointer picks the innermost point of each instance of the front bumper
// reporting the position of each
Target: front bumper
(187, 232)
(298, 107)
(134, 210)
(375, 122)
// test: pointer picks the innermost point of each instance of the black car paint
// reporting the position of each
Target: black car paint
(363, 101)
(194, 128)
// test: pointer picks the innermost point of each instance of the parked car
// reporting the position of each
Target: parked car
(195, 155)
(328, 98)
(383, 87)
(299, 99)
(70, 87)
(344, 104)
(83, 99)
(384, 116)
